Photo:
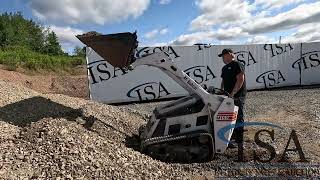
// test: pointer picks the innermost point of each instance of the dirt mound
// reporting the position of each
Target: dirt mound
(75, 86)
(71, 85)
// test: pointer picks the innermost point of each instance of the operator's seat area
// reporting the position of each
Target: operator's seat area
(182, 106)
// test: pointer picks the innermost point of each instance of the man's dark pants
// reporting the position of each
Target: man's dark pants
(238, 132)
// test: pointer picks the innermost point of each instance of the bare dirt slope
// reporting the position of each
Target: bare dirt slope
(71, 85)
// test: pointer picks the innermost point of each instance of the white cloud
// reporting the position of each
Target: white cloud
(66, 36)
(276, 4)
(164, 31)
(90, 11)
(306, 33)
(151, 34)
(252, 29)
(233, 32)
(155, 32)
(163, 2)
(193, 38)
(305, 13)
(230, 42)
(245, 22)
(160, 44)
(260, 39)
(206, 36)
(219, 12)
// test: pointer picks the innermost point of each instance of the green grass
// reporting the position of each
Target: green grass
(15, 57)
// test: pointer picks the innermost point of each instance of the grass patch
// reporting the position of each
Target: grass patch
(15, 57)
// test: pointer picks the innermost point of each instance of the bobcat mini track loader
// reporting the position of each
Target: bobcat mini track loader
(191, 129)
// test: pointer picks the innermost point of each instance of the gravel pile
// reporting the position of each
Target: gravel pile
(55, 136)
(60, 137)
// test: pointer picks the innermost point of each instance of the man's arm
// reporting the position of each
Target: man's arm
(239, 83)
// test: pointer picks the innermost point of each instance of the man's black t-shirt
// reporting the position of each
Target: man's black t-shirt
(229, 76)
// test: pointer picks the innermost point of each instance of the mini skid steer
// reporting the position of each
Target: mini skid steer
(184, 130)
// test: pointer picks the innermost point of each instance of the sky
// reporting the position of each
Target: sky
(177, 22)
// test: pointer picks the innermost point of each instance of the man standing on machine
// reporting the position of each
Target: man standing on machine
(233, 81)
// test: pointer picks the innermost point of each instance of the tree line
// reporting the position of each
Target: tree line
(16, 31)
(27, 44)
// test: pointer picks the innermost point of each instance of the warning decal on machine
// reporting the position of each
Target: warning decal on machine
(226, 116)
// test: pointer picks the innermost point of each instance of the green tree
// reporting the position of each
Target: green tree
(15, 31)
(52, 45)
(78, 51)
(36, 36)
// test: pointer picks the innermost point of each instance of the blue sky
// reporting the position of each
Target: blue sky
(177, 22)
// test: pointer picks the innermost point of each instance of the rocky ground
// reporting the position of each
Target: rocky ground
(54, 136)
(295, 109)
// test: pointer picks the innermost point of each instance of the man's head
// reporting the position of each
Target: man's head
(227, 55)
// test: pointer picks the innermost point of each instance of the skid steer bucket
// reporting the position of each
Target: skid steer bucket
(117, 49)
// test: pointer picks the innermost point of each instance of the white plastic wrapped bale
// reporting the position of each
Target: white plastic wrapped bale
(112, 85)
(266, 66)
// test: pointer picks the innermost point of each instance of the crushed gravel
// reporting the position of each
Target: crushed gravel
(60, 137)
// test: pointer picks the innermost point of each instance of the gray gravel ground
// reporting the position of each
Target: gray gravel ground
(60, 137)
(292, 109)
